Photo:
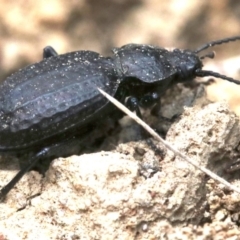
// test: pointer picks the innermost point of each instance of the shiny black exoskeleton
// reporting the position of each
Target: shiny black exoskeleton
(51, 104)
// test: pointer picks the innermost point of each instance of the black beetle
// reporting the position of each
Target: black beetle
(55, 102)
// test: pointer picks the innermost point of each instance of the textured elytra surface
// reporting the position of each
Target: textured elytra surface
(53, 95)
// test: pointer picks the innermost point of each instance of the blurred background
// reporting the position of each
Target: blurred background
(27, 26)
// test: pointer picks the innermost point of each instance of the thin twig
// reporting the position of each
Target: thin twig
(167, 144)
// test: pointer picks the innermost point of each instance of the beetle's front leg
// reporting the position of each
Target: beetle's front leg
(49, 52)
(133, 104)
(152, 100)
(146, 101)
(149, 99)
(234, 166)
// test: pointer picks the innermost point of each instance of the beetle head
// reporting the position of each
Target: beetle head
(186, 63)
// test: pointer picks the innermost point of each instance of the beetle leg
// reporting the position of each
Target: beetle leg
(133, 104)
(152, 100)
(66, 148)
(49, 52)
(33, 161)
(148, 170)
(54, 150)
(148, 100)
(234, 166)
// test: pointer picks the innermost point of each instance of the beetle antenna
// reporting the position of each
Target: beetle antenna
(218, 42)
(204, 73)
(208, 55)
